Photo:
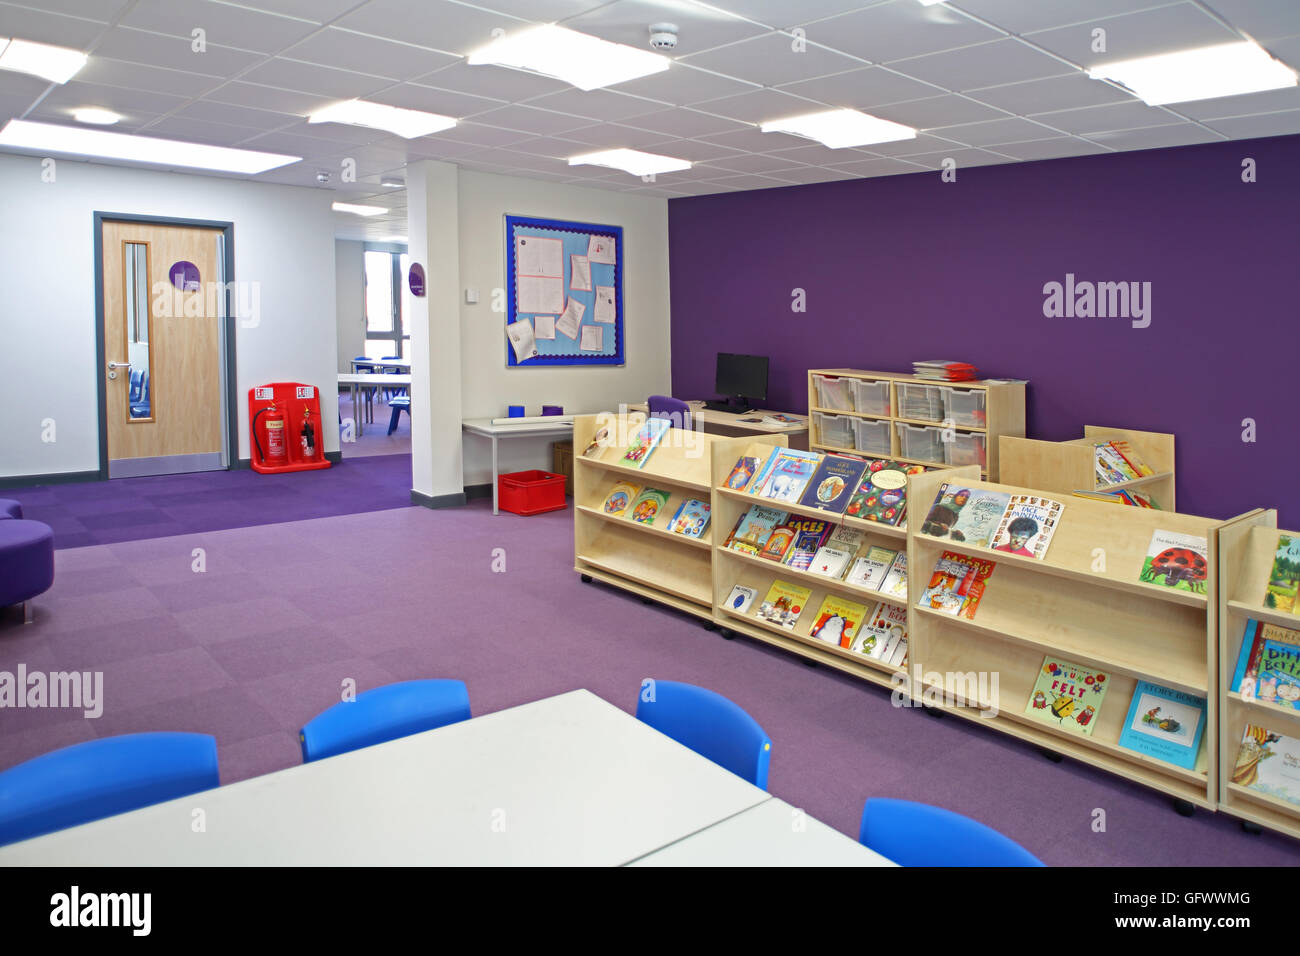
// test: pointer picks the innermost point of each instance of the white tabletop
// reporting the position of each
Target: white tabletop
(384, 363)
(484, 426)
(569, 780)
(373, 378)
(773, 833)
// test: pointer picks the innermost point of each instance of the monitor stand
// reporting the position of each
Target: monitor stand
(736, 406)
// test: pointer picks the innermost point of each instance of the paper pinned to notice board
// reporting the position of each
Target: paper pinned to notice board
(593, 338)
(572, 318)
(535, 256)
(579, 273)
(601, 249)
(521, 337)
(541, 294)
(604, 304)
(544, 326)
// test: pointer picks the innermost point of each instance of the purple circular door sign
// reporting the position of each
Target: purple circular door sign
(184, 275)
(417, 279)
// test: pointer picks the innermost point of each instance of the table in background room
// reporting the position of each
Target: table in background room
(374, 379)
(485, 428)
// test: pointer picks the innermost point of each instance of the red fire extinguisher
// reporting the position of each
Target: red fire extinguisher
(275, 452)
(308, 436)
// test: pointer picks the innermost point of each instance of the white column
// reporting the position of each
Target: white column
(433, 233)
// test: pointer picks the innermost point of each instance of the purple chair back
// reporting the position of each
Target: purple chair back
(673, 409)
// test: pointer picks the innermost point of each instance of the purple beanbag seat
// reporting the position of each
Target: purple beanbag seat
(10, 508)
(26, 560)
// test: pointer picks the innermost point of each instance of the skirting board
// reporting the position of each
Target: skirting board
(437, 501)
(58, 478)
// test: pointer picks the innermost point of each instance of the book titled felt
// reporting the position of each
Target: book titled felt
(964, 514)
(834, 482)
(783, 604)
(1269, 763)
(646, 440)
(838, 621)
(1067, 696)
(1165, 724)
(1027, 525)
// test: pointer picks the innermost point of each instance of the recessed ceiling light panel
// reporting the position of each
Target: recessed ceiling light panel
(840, 129)
(584, 61)
(357, 209)
(96, 116)
(409, 124)
(1227, 69)
(631, 161)
(54, 63)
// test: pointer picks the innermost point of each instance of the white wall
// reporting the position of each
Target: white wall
(350, 298)
(284, 240)
(488, 385)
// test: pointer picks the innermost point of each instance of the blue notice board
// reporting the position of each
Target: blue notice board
(564, 304)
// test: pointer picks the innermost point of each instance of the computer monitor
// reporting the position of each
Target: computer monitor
(740, 377)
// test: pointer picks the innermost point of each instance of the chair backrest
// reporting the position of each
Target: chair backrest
(144, 387)
(136, 376)
(384, 713)
(916, 834)
(100, 778)
(673, 409)
(709, 724)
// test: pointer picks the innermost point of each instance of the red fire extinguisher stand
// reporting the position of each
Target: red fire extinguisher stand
(284, 428)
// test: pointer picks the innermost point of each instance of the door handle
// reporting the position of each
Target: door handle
(114, 366)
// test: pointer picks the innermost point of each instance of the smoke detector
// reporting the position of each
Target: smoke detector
(322, 177)
(663, 36)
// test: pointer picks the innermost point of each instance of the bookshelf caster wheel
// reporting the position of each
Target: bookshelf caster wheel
(646, 601)
(1051, 755)
(811, 663)
(934, 712)
(726, 634)
(1183, 808)
(1252, 828)
(585, 578)
(710, 626)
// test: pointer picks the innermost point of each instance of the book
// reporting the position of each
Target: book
(598, 440)
(691, 518)
(882, 494)
(810, 535)
(942, 370)
(830, 562)
(834, 482)
(1284, 577)
(1165, 724)
(619, 497)
(1177, 560)
(1256, 637)
(753, 528)
(783, 604)
(1278, 680)
(778, 542)
(956, 584)
(1268, 763)
(648, 504)
(742, 473)
(895, 583)
(963, 514)
(838, 621)
(1112, 467)
(1027, 526)
(1067, 696)
(898, 654)
(787, 474)
(886, 624)
(869, 570)
(645, 441)
(1135, 461)
(740, 599)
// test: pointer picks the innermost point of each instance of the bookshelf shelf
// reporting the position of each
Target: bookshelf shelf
(1246, 549)
(1070, 466)
(809, 579)
(874, 527)
(702, 542)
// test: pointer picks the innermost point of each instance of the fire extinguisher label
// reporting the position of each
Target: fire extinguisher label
(264, 393)
(306, 391)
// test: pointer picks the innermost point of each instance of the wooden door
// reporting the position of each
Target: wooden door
(163, 295)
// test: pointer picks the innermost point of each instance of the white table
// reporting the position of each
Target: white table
(485, 428)
(773, 833)
(569, 780)
(374, 379)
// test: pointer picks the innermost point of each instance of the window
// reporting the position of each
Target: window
(387, 301)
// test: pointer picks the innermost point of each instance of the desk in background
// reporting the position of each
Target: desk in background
(494, 433)
(732, 425)
(373, 379)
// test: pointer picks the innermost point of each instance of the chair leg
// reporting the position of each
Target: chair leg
(29, 612)
(392, 421)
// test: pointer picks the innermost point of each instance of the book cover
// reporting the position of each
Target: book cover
(1067, 696)
(753, 528)
(1278, 680)
(1269, 763)
(956, 584)
(1176, 561)
(869, 570)
(783, 604)
(646, 441)
(886, 624)
(1165, 724)
(1131, 456)
(810, 535)
(1284, 577)
(898, 655)
(619, 497)
(1027, 525)
(1111, 461)
(742, 473)
(764, 470)
(838, 621)
(830, 562)
(740, 599)
(648, 504)
(778, 542)
(788, 475)
(964, 514)
(1249, 658)
(833, 483)
(847, 539)
(895, 583)
(882, 494)
(691, 518)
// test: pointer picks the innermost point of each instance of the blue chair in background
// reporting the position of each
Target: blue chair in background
(100, 778)
(673, 409)
(916, 834)
(396, 404)
(709, 724)
(140, 395)
(396, 389)
(136, 375)
(364, 364)
(382, 714)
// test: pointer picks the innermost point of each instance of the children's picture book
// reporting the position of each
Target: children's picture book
(691, 518)
(648, 504)
(1269, 763)
(1284, 578)
(786, 474)
(620, 496)
(1130, 455)
(598, 441)
(833, 483)
(895, 583)
(847, 539)
(1278, 680)
(838, 621)
(783, 604)
(1027, 525)
(1165, 724)
(1256, 641)
(742, 473)
(1067, 696)
(740, 599)
(882, 494)
(810, 535)
(885, 626)
(1112, 467)
(753, 528)
(646, 441)
(869, 570)
(898, 654)
(1176, 561)
(830, 562)
(778, 542)
(956, 584)
(963, 514)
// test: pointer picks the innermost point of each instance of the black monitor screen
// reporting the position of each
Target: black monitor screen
(744, 375)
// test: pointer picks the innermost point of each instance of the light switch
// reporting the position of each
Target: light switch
(471, 296)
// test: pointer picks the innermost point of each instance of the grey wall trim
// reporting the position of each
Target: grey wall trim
(439, 501)
(478, 491)
(58, 478)
(165, 465)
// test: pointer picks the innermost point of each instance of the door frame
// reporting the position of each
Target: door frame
(227, 330)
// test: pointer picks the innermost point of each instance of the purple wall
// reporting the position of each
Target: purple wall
(909, 267)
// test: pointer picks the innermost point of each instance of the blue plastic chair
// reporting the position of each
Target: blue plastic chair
(365, 364)
(397, 403)
(673, 409)
(709, 724)
(136, 375)
(382, 714)
(916, 834)
(100, 778)
(140, 404)
(397, 389)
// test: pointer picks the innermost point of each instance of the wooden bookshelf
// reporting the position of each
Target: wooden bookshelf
(968, 415)
(1246, 549)
(1084, 603)
(1070, 466)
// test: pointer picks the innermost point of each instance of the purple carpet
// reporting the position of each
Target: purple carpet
(260, 642)
(131, 509)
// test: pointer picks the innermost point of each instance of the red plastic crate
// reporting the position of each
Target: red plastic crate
(530, 492)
